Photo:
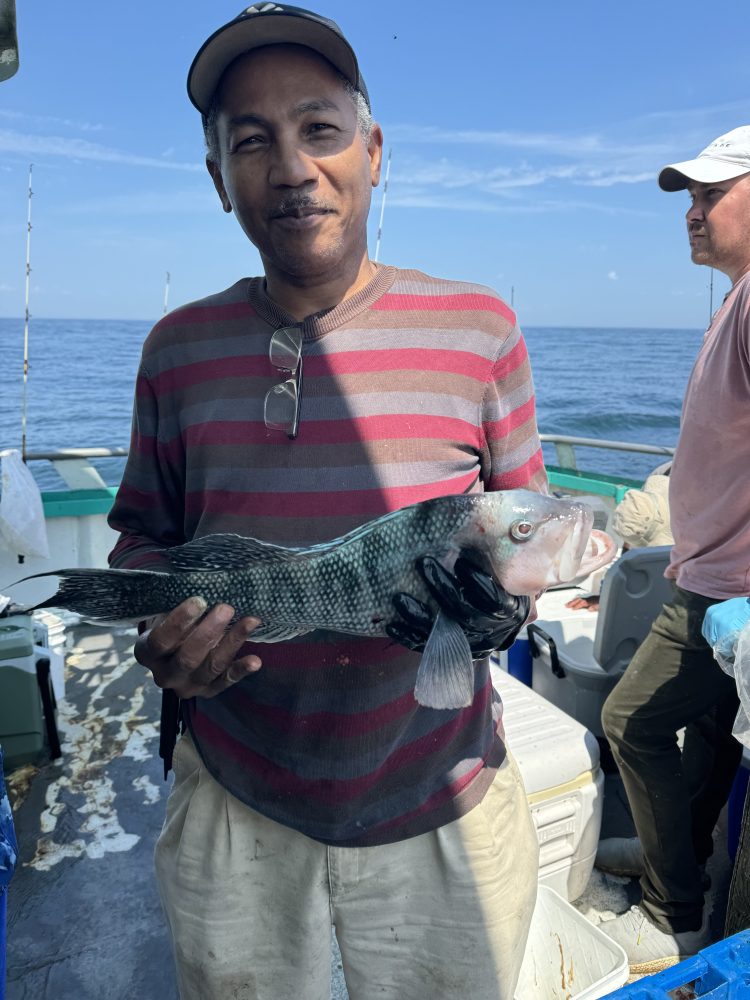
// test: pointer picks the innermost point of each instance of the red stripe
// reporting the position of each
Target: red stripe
(129, 496)
(469, 301)
(520, 477)
(363, 503)
(446, 794)
(182, 376)
(511, 362)
(465, 363)
(207, 314)
(333, 791)
(133, 553)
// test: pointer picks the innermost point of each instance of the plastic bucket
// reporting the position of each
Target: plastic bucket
(520, 664)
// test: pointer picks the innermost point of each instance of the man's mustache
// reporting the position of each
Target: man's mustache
(298, 206)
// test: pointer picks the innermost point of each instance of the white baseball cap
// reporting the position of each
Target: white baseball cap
(726, 157)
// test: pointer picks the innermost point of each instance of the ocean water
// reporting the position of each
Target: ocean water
(618, 384)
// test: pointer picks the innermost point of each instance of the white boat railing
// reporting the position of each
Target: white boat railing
(73, 465)
(565, 447)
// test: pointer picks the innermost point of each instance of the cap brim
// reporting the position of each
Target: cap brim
(238, 37)
(703, 170)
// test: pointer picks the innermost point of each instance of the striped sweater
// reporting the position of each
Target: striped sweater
(413, 388)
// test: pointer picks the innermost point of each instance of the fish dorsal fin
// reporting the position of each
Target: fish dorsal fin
(218, 552)
(361, 531)
(445, 678)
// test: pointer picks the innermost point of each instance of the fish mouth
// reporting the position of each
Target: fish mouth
(586, 550)
(571, 554)
(599, 551)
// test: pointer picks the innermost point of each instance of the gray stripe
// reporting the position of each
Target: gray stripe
(498, 407)
(317, 480)
(515, 458)
(409, 283)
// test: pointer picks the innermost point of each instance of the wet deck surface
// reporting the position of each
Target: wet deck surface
(84, 919)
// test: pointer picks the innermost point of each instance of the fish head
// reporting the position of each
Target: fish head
(533, 541)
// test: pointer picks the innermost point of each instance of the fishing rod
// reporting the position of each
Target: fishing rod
(26, 322)
(711, 298)
(382, 206)
(166, 294)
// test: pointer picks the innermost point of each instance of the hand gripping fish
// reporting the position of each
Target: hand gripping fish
(527, 541)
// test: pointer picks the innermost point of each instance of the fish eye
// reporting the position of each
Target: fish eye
(521, 530)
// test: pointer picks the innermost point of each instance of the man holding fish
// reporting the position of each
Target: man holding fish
(315, 790)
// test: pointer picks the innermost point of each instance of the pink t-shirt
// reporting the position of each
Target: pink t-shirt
(709, 487)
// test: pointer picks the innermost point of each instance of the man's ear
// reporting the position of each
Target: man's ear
(215, 170)
(375, 152)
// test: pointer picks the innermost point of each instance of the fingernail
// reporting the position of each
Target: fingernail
(197, 606)
(251, 624)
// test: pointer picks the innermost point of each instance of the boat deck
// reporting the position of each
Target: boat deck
(84, 919)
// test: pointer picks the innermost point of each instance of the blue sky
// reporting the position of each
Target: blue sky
(525, 137)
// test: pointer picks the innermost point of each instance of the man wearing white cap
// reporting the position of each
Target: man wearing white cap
(313, 791)
(673, 680)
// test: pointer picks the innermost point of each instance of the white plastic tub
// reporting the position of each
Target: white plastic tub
(567, 957)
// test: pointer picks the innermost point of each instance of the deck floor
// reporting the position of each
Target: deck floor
(84, 919)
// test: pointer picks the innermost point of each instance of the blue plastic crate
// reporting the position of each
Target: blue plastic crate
(721, 972)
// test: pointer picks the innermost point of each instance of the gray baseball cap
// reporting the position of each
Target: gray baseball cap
(725, 158)
(269, 24)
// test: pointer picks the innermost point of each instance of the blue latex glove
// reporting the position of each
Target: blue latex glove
(723, 620)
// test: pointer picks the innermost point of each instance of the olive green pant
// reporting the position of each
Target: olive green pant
(673, 682)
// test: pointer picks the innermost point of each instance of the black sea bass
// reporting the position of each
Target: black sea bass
(528, 541)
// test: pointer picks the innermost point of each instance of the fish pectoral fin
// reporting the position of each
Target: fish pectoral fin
(276, 633)
(226, 551)
(445, 678)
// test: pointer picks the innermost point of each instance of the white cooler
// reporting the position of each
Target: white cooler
(559, 762)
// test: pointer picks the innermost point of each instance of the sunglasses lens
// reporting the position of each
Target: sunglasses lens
(280, 410)
(285, 348)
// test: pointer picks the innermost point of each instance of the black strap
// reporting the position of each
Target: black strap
(171, 716)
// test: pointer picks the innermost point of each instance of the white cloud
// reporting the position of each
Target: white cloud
(81, 149)
(612, 275)
(47, 120)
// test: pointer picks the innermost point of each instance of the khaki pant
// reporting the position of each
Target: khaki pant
(250, 903)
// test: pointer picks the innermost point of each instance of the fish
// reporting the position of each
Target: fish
(527, 541)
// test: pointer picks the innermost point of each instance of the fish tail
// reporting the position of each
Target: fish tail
(107, 595)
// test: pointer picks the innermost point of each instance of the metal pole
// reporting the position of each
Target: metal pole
(166, 294)
(382, 206)
(26, 324)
